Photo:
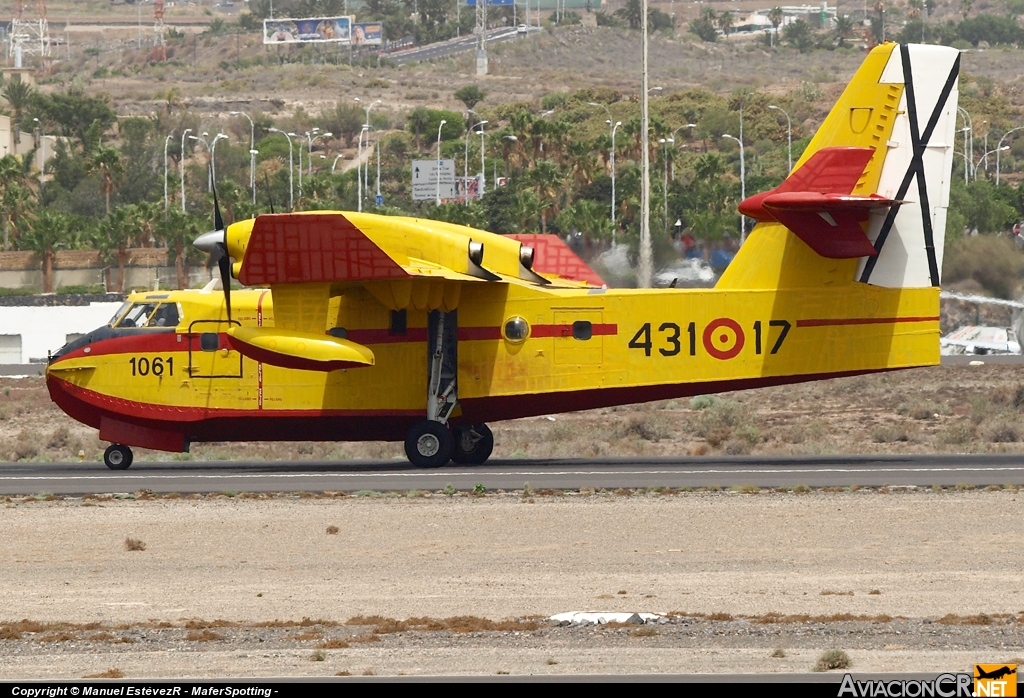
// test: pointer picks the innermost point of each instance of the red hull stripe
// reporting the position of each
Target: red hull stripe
(863, 321)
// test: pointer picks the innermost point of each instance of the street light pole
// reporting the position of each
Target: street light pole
(335, 164)
(312, 140)
(999, 149)
(614, 125)
(359, 171)
(483, 167)
(167, 140)
(182, 164)
(291, 188)
(646, 271)
(665, 142)
(213, 157)
(984, 158)
(42, 155)
(252, 152)
(438, 172)
(743, 186)
(789, 133)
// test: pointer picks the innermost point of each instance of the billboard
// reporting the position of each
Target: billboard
(312, 30)
(367, 33)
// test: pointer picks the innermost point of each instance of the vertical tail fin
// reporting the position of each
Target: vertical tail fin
(867, 200)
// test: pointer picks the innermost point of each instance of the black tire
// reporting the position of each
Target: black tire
(473, 445)
(429, 444)
(118, 457)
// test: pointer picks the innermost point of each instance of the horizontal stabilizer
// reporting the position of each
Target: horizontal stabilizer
(815, 203)
(299, 350)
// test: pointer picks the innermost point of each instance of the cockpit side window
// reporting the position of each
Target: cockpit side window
(165, 315)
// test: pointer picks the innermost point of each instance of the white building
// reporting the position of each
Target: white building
(29, 332)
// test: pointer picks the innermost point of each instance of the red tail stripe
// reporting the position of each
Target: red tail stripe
(863, 321)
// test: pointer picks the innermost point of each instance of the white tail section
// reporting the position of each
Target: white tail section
(909, 237)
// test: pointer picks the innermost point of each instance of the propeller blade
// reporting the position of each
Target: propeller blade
(270, 194)
(224, 263)
(218, 220)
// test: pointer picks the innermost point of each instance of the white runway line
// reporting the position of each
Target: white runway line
(802, 471)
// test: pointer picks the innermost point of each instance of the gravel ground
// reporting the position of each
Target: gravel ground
(901, 581)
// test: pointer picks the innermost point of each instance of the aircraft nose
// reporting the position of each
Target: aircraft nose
(207, 242)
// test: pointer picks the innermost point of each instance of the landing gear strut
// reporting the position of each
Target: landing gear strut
(430, 443)
(473, 444)
(117, 457)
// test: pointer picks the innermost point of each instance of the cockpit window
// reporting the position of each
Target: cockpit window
(119, 313)
(150, 315)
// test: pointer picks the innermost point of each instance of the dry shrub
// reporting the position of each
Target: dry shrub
(1001, 431)
(455, 624)
(737, 447)
(645, 427)
(833, 659)
(887, 435)
(113, 673)
(778, 653)
(57, 637)
(26, 446)
(957, 434)
(954, 619)
(922, 409)
(309, 635)
(335, 643)
(718, 421)
(133, 544)
(645, 631)
(719, 616)
(829, 592)
(332, 530)
(199, 624)
(203, 636)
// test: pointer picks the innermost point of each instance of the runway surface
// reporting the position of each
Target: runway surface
(608, 473)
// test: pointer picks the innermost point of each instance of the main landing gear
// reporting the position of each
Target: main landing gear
(117, 457)
(433, 442)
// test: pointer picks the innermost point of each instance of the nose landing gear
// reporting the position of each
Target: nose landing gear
(118, 457)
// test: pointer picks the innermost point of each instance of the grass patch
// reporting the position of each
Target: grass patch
(112, 673)
(203, 636)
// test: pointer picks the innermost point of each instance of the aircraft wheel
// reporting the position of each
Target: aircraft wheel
(473, 445)
(117, 457)
(429, 444)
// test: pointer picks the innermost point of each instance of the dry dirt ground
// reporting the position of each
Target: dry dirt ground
(222, 586)
(949, 409)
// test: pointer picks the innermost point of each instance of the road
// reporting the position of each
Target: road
(446, 48)
(609, 473)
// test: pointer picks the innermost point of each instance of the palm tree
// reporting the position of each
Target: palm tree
(48, 230)
(547, 181)
(633, 13)
(19, 95)
(725, 22)
(775, 16)
(117, 232)
(107, 161)
(419, 119)
(178, 231)
(14, 194)
(845, 28)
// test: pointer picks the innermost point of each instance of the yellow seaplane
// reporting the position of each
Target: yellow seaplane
(366, 327)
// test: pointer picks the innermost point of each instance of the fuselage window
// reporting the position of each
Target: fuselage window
(119, 313)
(582, 329)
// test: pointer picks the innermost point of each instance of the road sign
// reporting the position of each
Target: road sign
(425, 179)
(380, 199)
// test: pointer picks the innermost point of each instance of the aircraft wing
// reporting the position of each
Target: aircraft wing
(306, 258)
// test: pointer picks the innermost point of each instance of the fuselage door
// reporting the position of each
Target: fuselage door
(209, 354)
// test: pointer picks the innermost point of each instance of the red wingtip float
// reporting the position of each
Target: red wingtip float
(820, 192)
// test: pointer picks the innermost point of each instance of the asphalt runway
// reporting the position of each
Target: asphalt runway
(607, 473)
